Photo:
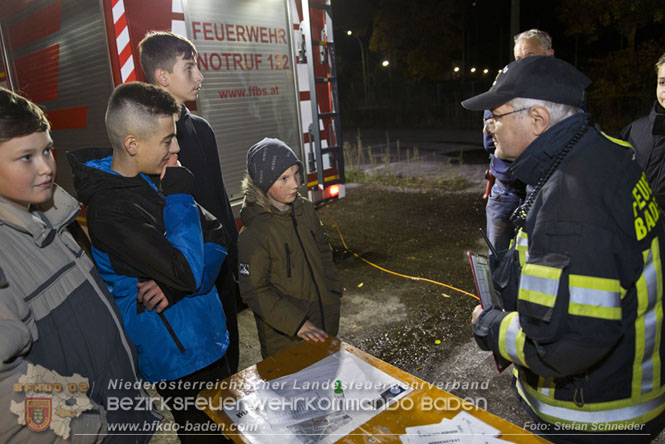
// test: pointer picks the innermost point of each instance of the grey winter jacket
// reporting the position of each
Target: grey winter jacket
(55, 312)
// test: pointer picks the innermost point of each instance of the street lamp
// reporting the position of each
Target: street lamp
(362, 58)
(485, 71)
(385, 63)
(456, 69)
(473, 69)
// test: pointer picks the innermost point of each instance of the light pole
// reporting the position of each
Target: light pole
(362, 58)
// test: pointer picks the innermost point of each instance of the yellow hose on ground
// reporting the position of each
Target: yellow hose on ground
(413, 278)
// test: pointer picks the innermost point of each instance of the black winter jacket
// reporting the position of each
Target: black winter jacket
(647, 136)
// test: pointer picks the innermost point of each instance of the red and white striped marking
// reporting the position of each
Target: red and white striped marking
(125, 58)
(178, 20)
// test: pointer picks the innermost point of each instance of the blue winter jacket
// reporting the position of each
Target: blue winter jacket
(146, 229)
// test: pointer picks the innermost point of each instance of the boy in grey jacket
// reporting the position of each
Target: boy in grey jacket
(65, 361)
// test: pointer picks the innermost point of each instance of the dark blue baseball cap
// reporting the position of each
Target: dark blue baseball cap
(535, 77)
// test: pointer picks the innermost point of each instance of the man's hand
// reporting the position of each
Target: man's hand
(310, 332)
(172, 162)
(150, 295)
(476, 314)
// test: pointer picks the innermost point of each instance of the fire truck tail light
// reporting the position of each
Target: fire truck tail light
(333, 191)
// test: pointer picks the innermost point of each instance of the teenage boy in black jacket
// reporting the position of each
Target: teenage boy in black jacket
(169, 62)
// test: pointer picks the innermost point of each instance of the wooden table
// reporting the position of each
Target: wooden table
(382, 428)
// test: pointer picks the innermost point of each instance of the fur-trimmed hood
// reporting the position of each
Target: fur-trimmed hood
(253, 194)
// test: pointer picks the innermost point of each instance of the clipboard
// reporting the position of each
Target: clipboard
(482, 278)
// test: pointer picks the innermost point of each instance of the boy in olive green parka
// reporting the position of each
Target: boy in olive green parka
(287, 275)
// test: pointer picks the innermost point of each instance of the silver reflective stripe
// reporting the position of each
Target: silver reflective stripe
(615, 415)
(522, 241)
(511, 340)
(597, 298)
(539, 284)
(650, 324)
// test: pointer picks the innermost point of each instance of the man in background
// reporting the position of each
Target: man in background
(506, 192)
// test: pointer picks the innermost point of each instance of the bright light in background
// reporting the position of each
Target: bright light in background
(385, 63)
(485, 71)
(473, 69)
(456, 69)
(349, 32)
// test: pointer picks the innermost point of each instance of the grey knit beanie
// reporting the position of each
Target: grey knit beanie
(267, 160)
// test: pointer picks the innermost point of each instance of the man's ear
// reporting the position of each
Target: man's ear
(161, 77)
(540, 118)
(131, 144)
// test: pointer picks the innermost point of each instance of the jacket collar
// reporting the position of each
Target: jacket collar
(538, 157)
(44, 220)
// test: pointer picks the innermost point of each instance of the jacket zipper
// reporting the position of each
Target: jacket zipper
(140, 308)
(288, 260)
(309, 266)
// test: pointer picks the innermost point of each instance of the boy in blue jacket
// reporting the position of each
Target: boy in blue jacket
(156, 249)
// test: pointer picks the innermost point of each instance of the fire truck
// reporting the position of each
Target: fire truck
(269, 68)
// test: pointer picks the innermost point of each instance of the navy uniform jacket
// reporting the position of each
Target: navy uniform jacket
(586, 334)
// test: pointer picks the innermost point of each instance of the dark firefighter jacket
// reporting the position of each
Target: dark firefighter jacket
(586, 335)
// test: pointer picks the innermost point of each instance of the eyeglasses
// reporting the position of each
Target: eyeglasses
(489, 121)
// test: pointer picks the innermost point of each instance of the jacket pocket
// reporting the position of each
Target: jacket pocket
(288, 260)
(172, 333)
(539, 285)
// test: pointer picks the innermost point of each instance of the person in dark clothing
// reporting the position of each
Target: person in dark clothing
(647, 136)
(506, 191)
(582, 282)
(157, 250)
(169, 62)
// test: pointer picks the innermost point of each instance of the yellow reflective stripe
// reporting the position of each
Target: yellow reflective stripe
(511, 339)
(546, 386)
(617, 141)
(539, 284)
(658, 309)
(595, 297)
(610, 314)
(648, 324)
(642, 303)
(535, 297)
(522, 246)
(624, 411)
(652, 320)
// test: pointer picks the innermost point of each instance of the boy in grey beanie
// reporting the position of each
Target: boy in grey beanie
(287, 275)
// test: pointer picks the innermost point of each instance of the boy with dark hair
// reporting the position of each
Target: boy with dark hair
(287, 275)
(169, 62)
(156, 249)
(58, 321)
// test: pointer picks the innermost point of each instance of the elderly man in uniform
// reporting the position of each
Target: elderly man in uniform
(582, 284)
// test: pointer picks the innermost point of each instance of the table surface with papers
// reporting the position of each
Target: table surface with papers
(410, 410)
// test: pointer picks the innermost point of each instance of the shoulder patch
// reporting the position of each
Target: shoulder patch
(244, 269)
